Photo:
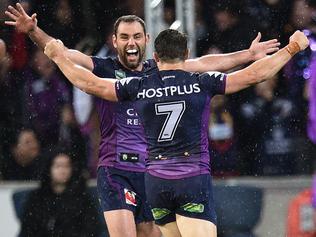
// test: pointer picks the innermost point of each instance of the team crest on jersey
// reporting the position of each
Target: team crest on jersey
(130, 197)
(120, 74)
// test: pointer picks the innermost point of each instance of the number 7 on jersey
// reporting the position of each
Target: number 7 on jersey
(174, 112)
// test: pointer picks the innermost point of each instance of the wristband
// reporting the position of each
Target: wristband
(292, 48)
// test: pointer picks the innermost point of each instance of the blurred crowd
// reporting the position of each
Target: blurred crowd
(269, 129)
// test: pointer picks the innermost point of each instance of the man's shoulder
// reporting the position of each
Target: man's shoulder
(150, 65)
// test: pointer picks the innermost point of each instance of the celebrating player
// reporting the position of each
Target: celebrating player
(173, 106)
(123, 147)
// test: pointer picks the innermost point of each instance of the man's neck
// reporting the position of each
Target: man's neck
(171, 66)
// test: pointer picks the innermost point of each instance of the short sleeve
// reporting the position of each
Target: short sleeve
(100, 65)
(213, 83)
(127, 88)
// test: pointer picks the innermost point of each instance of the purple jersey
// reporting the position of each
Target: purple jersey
(122, 139)
(174, 108)
(311, 125)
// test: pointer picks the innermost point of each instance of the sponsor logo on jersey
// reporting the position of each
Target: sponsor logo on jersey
(193, 207)
(129, 157)
(169, 91)
(159, 213)
(168, 77)
(130, 197)
(120, 74)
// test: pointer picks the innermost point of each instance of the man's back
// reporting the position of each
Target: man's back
(174, 109)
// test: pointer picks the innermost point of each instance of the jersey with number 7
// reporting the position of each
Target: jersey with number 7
(174, 109)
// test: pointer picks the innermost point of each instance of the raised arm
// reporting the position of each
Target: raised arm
(28, 25)
(265, 68)
(224, 62)
(79, 76)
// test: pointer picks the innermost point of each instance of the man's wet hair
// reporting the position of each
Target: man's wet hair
(129, 19)
(171, 45)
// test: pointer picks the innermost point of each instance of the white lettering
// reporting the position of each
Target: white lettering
(159, 92)
(188, 91)
(196, 88)
(173, 89)
(153, 91)
(170, 91)
(131, 112)
(141, 94)
(132, 122)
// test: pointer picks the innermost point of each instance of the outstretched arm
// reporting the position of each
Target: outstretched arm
(79, 76)
(265, 68)
(224, 62)
(28, 25)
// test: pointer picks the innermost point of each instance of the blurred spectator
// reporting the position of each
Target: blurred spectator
(269, 15)
(232, 31)
(61, 18)
(23, 161)
(70, 137)
(46, 95)
(299, 76)
(62, 205)
(221, 138)
(269, 120)
(296, 71)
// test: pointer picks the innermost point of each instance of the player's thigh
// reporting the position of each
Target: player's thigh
(120, 223)
(192, 227)
(170, 230)
(145, 229)
(195, 198)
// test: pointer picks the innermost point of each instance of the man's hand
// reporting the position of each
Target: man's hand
(300, 39)
(55, 49)
(259, 49)
(22, 21)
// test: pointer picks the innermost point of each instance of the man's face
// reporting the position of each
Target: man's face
(130, 42)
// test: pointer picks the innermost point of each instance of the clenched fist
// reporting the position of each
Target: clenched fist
(54, 49)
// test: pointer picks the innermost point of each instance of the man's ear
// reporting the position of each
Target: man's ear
(155, 56)
(147, 38)
(114, 41)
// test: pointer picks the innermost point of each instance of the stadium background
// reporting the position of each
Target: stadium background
(265, 136)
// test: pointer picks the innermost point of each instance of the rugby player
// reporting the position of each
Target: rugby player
(173, 106)
(122, 150)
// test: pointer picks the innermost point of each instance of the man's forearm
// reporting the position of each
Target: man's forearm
(257, 72)
(39, 37)
(267, 67)
(219, 62)
(86, 80)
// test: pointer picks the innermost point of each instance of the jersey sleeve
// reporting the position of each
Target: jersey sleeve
(213, 82)
(127, 88)
(100, 65)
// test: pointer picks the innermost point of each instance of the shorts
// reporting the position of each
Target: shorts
(190, 197)
(120, 189)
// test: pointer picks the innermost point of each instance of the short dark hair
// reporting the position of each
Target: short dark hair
(129, 19)
(171, 45)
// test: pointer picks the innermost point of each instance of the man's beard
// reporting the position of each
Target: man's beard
(134, 64)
